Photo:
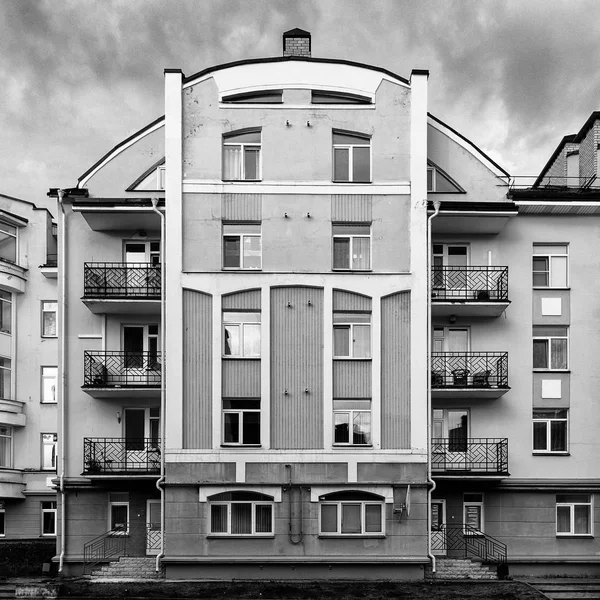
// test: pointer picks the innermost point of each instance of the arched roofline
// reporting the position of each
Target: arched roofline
(468, 145)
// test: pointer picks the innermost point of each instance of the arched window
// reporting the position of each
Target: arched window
(241, 513)
(352, 513)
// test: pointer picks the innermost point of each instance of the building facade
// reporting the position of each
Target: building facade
(28, 372)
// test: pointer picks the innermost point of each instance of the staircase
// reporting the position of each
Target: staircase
(128, 567)
(461, 568)
(567, 588)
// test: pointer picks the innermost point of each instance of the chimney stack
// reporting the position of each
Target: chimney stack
(296, 42)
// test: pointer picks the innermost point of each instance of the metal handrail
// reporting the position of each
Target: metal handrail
(121, 456)
(470, 542)
(476, 455)
(118, 368)
(121, 280)
(469, 283)
(469, 370)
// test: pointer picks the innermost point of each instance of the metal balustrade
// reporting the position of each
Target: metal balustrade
(121, 280)
(118, 369)
(466, 541)
(121, 456)
(477, 284)
(469, 370)
(485, 456)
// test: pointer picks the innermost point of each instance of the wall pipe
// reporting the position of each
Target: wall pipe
(289, 491)
(430, 481)
(160, 484)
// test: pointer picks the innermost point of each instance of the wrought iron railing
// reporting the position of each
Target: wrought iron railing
(121, 456)
(117, 369)
(469, 370)
(121, 280)
(480, 284)
(116, 543)
(466, 541)
(486, 456)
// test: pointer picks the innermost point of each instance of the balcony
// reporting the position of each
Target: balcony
(469, 374)
(465, 457)
(121, 456)
(119, 288)
(469, 291)
(119, 374)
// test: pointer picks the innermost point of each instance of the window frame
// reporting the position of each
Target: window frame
(3, 225)
(8, 301)
(111, 505)
(572, 504)
(242, 146)
(549, 256)
(548, 340)
(350, 325)
(2, 522)
(241, 412)
(43, 379)
(350, 148)
(54, 445)
(8, 436)
(548, 426)
(339, 504)
(480, 504)
(51, 510)
(45, 311)
(352, 412)
(351, 237)
(254, 504)
(241, 324)
(8, 369)
(242, 236)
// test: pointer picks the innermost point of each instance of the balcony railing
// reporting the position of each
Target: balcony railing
(121, 280)
(121, 456)
(485, 456)
(477, 284)
(469, 370)
(118, 369)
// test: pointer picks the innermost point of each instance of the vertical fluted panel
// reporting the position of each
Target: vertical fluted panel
(395, 371)
(197, 369)
(344, 301)
(241, 378)
(297, 367)
(352, 379)
(357, 208)
(241, 207)
(246, 300)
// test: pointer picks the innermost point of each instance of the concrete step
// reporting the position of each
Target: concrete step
(461, 568)
(568, 589)
(128, 567)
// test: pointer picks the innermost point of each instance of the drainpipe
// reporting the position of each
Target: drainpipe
(160, 484)
(62, 336)
(430, 481)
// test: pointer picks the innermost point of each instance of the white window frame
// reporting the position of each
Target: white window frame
(350, 325)
(6, 369)
(351, 237)
(548, 339)
(7, 436)
(45, 311)
(2, 522)
(253, 533)
(352, 412)
(350, 148)
(241, 412)
(242, 146)
(363, 504)
(112, 504)
(160, 176)
(15, 235)
(550, 256)
(241, 324)
(548, 425)
(237, 231)
(48, 378)
(6, 327)
(480, 504)
(48, 440)
(571, 506)
(48, 511)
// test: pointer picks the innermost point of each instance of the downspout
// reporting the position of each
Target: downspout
(430, 481)
(163, 412)
(289, 491)
(62, 331)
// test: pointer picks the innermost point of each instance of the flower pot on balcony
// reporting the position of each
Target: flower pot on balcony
(460, 377)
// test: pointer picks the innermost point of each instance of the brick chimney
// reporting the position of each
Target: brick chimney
(296, 42)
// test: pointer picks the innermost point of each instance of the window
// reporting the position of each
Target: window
(5, 312)
(550, 347)
(241, 421)
(241, 334)
(49, 378)
(550, 430)
(473, 513)
(118, 512)
(2, 522)
(573, 514)
(351, 157)
(242, 246)
(351, 513)
(5, 446)
(241, 156)
(351, 335)
(49, 308)
(257, 97)
(440, 182)
(352, 422)
(241, 514)
(49, 451)
(550, 265)
(8, 242)
(49, 518)
(5, 378)
(352, 247)
(335, 97)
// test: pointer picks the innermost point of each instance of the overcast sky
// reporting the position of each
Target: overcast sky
(79, 76)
